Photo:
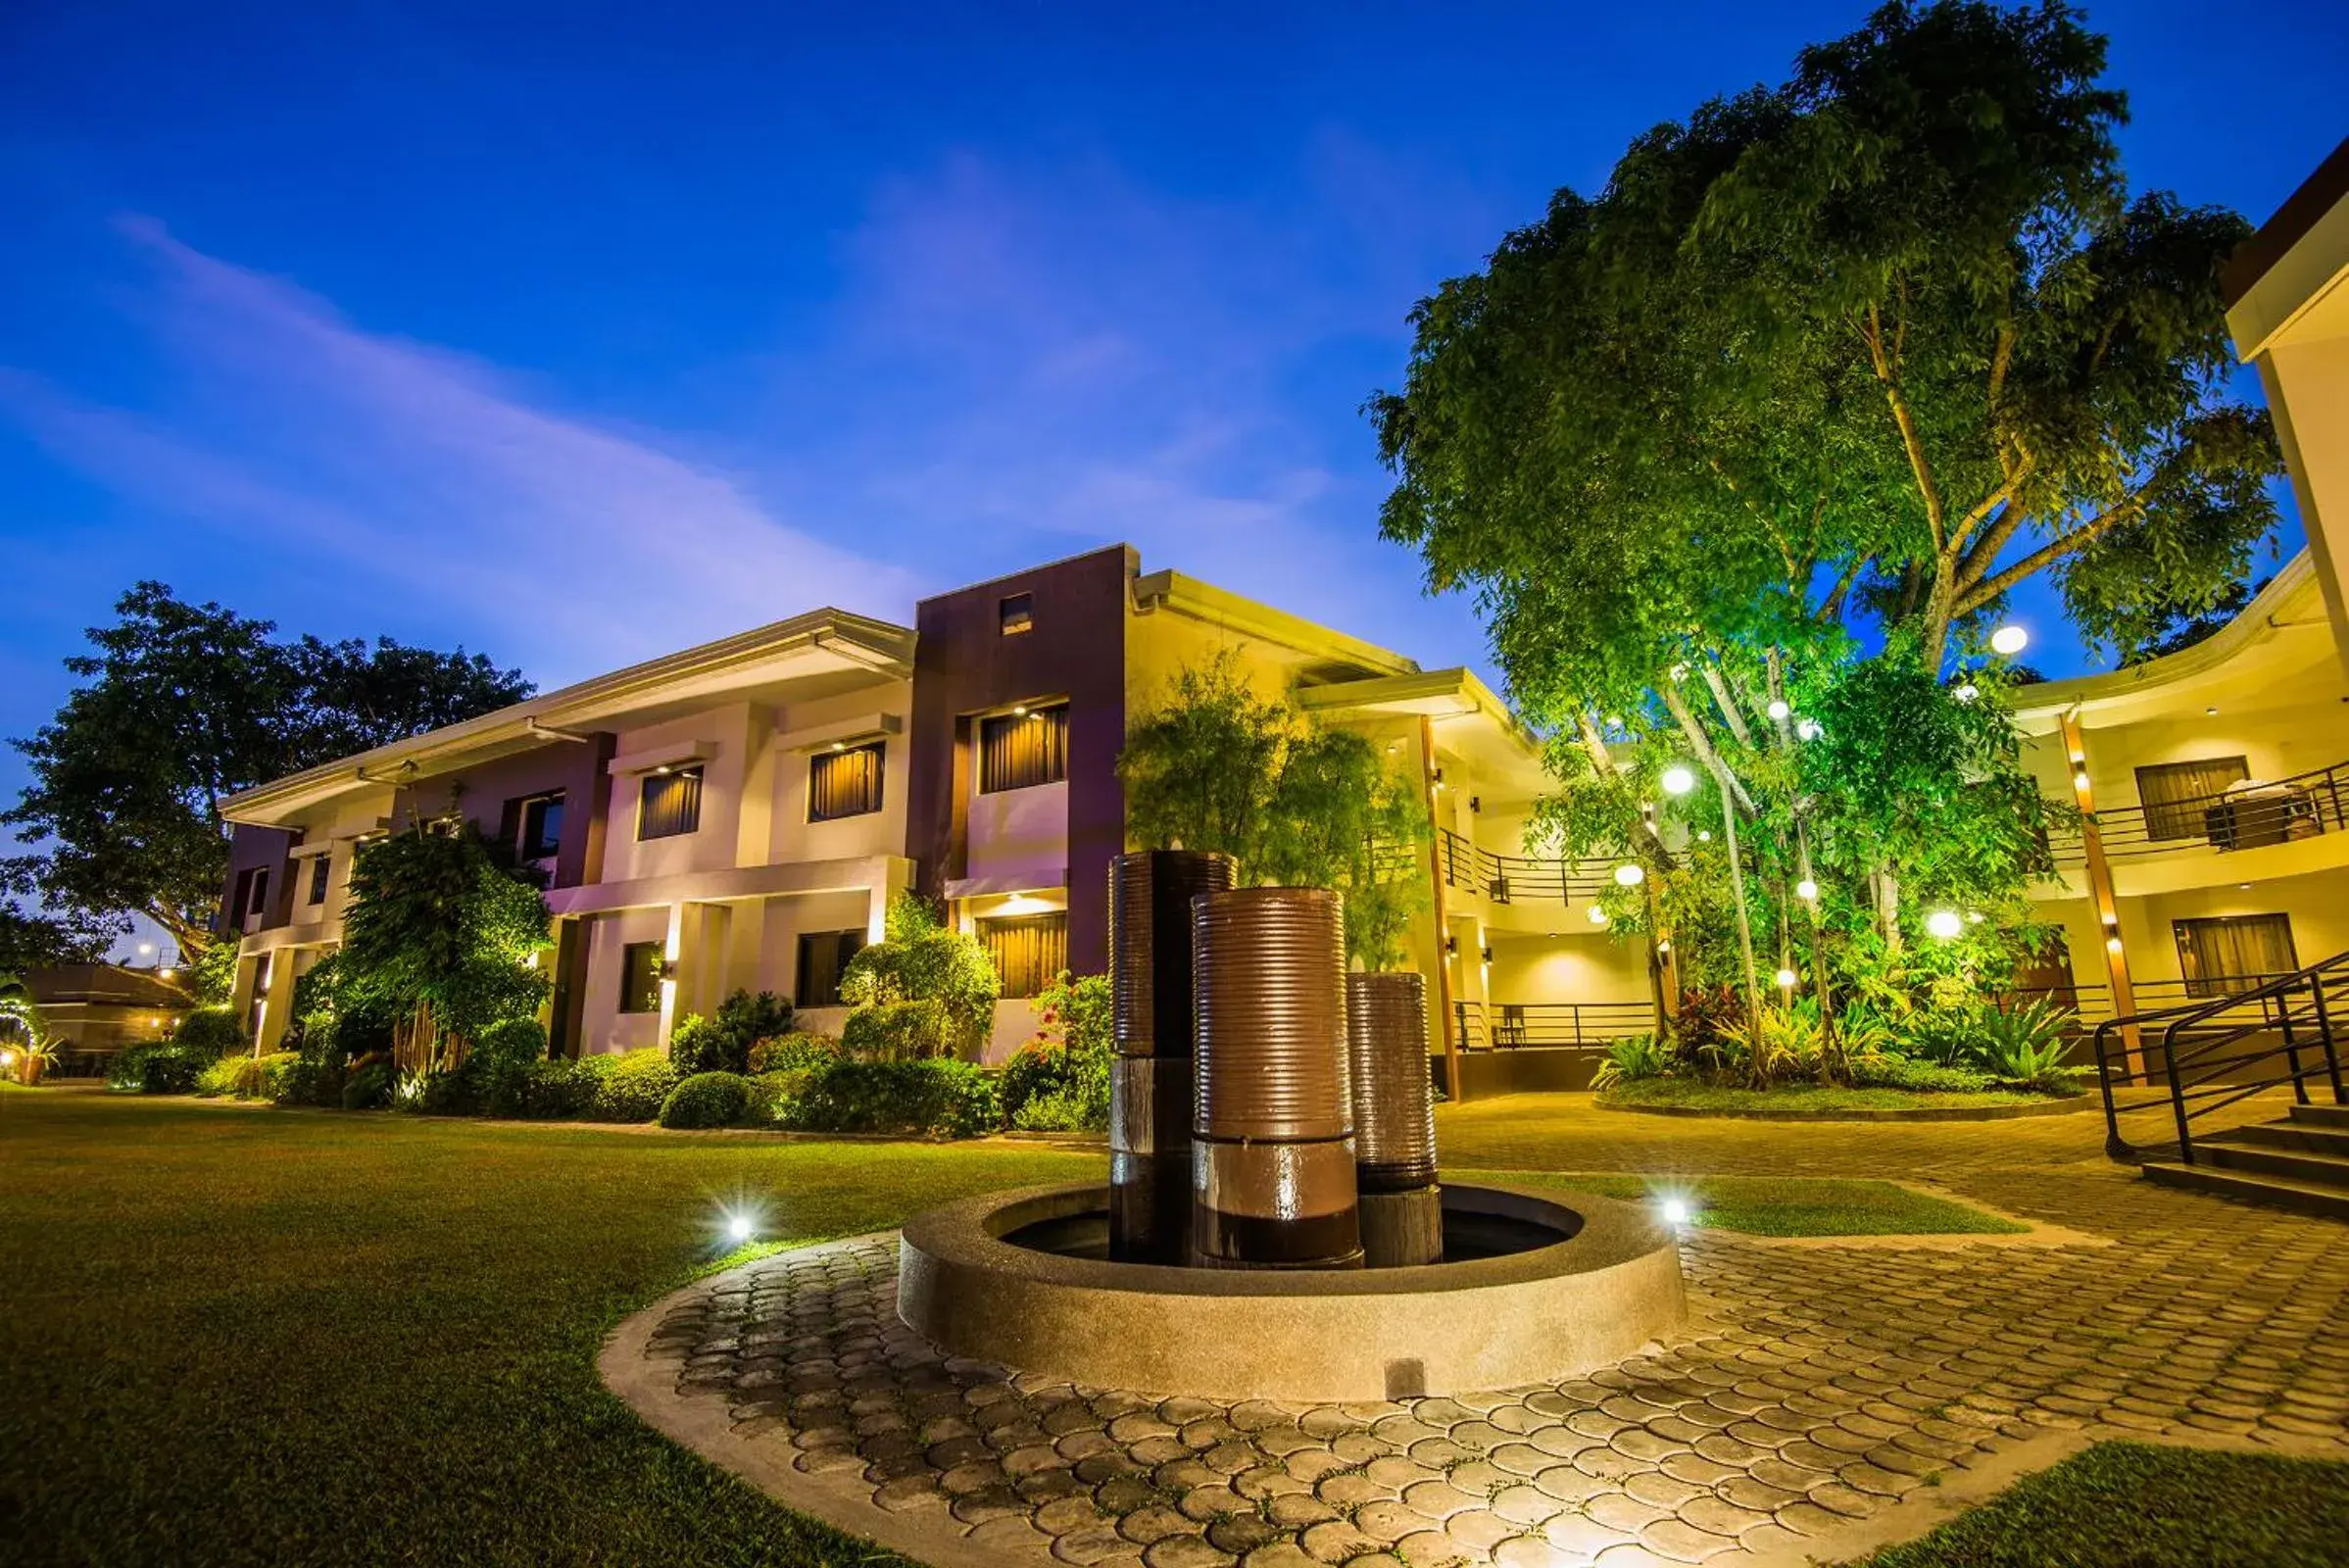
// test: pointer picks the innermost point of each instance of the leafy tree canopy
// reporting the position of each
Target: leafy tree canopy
(1217, 767)
(438, 934)
(1890, 337)
(181, 705)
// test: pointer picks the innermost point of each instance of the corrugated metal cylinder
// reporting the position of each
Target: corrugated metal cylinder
(1149, 1159)
(1394, 1110)
(1150, 1088)
(1272, 1121)
(1149, 980)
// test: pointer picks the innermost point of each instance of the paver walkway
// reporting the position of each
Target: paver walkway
(1813, 1385)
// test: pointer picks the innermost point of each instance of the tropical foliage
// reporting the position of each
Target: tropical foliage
(927, 990)
(1215, 766)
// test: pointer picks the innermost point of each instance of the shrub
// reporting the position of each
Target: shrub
(939, 1096)
(508, 1046)
(899, 1031)
(634, 1086)
(706, 1099)
(1944, 1036)
(1632, 1058)
(207, 1033)
(1780, 1043)
(370, 1088)
(923, 961)
(723, 1043)
(770, 1097)
(318, 1074)
(551, 1087)
(216, 1078)
(164, 1069)
(1049, 1086)
(791, 1052)
(1705, 1012)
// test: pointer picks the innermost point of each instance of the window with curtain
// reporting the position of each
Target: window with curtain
(845, 783)
(1016, 613)
(1029, 951)
(2177, 795)
(1020, 748)
(823, 957)
(671, 803)
(320, 869)
(2223, 956)
(640, 977)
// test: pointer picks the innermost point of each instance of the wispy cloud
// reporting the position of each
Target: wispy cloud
(313, 441)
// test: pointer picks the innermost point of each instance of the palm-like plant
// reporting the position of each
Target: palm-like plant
(26, 1050)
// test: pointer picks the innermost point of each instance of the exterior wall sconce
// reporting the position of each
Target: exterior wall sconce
(1451, 947)
(1476, 802)
(1488, 952)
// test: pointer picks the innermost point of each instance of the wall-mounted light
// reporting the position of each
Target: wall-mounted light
(1476, 803)
(2210, 713)
(1436, 779)
(1451, 947)
(2079, 780)
(2112, 943)
(1488, 952)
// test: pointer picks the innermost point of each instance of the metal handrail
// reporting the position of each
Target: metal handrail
(2221, 1052)
(1512, 879)
(2301, 805)
(1569, 1025)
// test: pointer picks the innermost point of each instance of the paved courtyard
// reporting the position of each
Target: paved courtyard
(1814, 1386)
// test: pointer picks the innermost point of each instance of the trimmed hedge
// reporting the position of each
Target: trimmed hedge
(936, 1098)
(554, 1088)
(157, 1069)
(706, 1099)
(795, 1050)
(634, 1087)
(210, 1033)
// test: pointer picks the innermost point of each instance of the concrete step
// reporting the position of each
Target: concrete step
(2316, 1137)
(2321, 1115)
(2295, 1164)
(2304, 1198)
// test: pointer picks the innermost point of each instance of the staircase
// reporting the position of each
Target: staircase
(2300, 1163)
(2164, 1071)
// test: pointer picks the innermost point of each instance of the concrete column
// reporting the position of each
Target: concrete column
(1446, 1033)
(278, 1005)
(2100, 894)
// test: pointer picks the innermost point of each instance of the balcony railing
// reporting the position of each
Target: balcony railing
(2094, 1001)
(1512, 879)
(2277, 812)
(1587, 1025)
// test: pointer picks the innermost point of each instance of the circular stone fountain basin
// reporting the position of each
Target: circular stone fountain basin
(1531, 1291)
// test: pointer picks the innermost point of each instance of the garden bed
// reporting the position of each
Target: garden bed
(1678, 1097)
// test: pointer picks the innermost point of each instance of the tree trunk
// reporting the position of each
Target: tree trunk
(1888, 906)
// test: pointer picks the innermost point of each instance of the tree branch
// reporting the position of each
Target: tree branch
(1728, 705)
(1705, 750)
(2055, 550)
(1910, 439)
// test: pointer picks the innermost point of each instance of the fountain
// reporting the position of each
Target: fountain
(1273, 1227)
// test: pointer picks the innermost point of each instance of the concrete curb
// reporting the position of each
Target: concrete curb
(2069, 1105)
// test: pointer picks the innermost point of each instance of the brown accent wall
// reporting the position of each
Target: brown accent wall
(258, 849)
(963, 665)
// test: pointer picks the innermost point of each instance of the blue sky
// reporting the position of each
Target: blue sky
(573, 333)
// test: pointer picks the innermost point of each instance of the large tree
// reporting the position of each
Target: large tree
(181, 705)
(1831, 367)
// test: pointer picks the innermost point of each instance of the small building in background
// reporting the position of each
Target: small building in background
(94, 1009)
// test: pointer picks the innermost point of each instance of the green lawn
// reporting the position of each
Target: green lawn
(1781, 1206)
(251, 1336)
(2130, 1505)
(1693, 1096)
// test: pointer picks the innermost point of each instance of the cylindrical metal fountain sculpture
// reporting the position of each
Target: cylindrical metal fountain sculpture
(1151, 1087)
(1395, 1119)
(1272, 1147)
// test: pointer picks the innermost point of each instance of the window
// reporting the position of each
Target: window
(2177, 795)
(845, 783)
(2233, 954)
(640, 977)
(671, 803)
(542, 827)
(1029, 951)
(260, 892)
(240, 902)
(1017, 613)
(823, 957)
(1024, 747)
(321, 868)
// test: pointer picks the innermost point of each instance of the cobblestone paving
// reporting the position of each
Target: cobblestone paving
(1812, 1386)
